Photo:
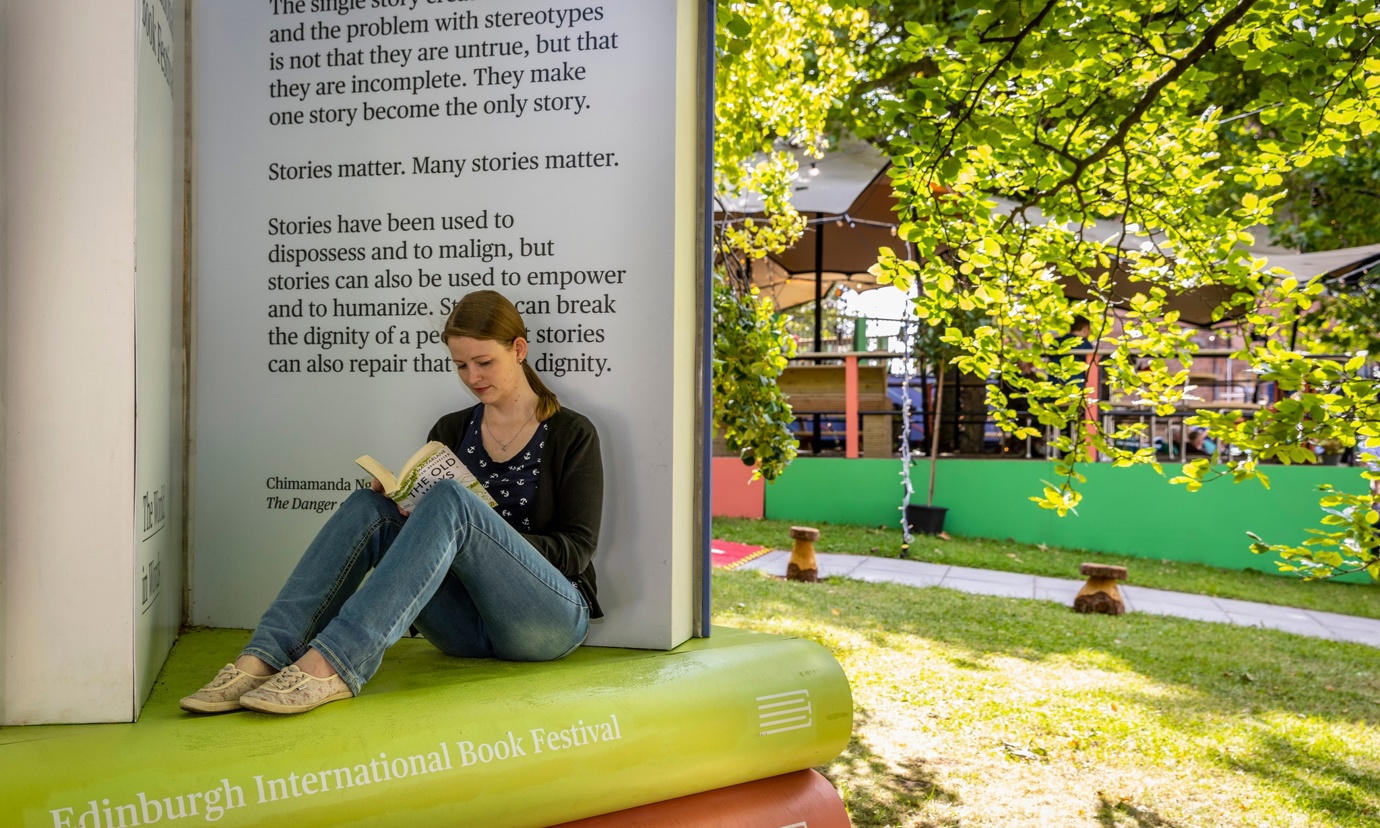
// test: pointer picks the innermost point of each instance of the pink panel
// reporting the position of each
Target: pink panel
(803, 798)
(734, 493)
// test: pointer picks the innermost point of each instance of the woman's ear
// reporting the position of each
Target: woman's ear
(520, 349)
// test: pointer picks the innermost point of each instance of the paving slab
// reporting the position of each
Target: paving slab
(1164, 596)
(1371, 638)
(875, 570)
(1307, 626)
(895, 565)
(1181, 611)
(835, 566)
(1059, 590)
(769, 562)
(1336, 621)
(1005, 589)
(1254, 608)
(994, 575)
(830, 565)
(1283, 615)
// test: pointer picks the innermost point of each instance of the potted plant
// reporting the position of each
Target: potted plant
(1332, 450)
(929, 518)
(932, 353)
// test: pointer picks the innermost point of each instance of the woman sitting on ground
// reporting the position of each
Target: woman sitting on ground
(513, 582)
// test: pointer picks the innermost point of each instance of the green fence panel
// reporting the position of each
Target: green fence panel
(837, 490)
(1130, 511)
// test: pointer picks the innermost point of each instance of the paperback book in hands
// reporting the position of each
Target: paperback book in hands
(431, 464)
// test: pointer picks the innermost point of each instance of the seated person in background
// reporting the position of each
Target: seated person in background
(1080, 346)
(1199, 442)
(1019, 403)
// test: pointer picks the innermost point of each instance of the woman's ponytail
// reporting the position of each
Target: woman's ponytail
(547, 404)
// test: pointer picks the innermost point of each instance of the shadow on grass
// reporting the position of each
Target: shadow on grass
(1218, 667)
(1203, 671)
(879, 793)
(1315, 777)
(1125, 815)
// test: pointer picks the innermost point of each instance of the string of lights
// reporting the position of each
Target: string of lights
(837, 220)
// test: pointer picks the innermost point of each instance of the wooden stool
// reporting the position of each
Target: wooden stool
(803, 566)
(1100, 593)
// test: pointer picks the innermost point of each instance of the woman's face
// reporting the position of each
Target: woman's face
(492, 372)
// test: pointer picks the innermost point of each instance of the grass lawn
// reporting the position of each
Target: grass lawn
(1247, 585)
(978, 711)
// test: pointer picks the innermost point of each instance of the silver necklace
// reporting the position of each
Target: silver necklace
(502, 445)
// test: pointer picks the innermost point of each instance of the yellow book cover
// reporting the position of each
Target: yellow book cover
(430, 464)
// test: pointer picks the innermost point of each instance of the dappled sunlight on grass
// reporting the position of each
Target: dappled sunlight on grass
(1329, 767)
(1084, 720)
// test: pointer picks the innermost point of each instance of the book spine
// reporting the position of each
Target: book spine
(504, 745)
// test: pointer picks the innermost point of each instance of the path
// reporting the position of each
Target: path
(1313, 623)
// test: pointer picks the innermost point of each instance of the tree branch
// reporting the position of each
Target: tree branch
(1152, 92)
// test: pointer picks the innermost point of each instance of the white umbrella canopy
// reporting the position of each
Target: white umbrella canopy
(847, 200)
(1197, 304)
(826, 185)
(1343, 263)
(787, 290)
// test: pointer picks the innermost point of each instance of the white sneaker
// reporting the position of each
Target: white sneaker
(293, 691)
(223, 692)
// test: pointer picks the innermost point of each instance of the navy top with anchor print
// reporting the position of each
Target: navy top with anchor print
(512, 483)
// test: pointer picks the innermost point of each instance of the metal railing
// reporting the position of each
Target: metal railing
(970, 431)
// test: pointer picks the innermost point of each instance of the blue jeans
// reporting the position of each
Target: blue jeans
(470, 582)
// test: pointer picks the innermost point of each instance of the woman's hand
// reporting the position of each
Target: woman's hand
(378, 487)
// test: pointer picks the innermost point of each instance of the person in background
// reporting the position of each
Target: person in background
(1080, 348)
(1079, 345)
(1019, 403)
(1199, 442)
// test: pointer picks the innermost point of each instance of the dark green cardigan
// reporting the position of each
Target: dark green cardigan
(570, 497)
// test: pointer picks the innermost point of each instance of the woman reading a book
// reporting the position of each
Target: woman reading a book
(513, 582)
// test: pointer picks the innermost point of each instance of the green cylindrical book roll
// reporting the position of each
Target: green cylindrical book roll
(437, 741)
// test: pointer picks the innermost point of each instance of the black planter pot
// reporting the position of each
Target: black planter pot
(927, 520)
